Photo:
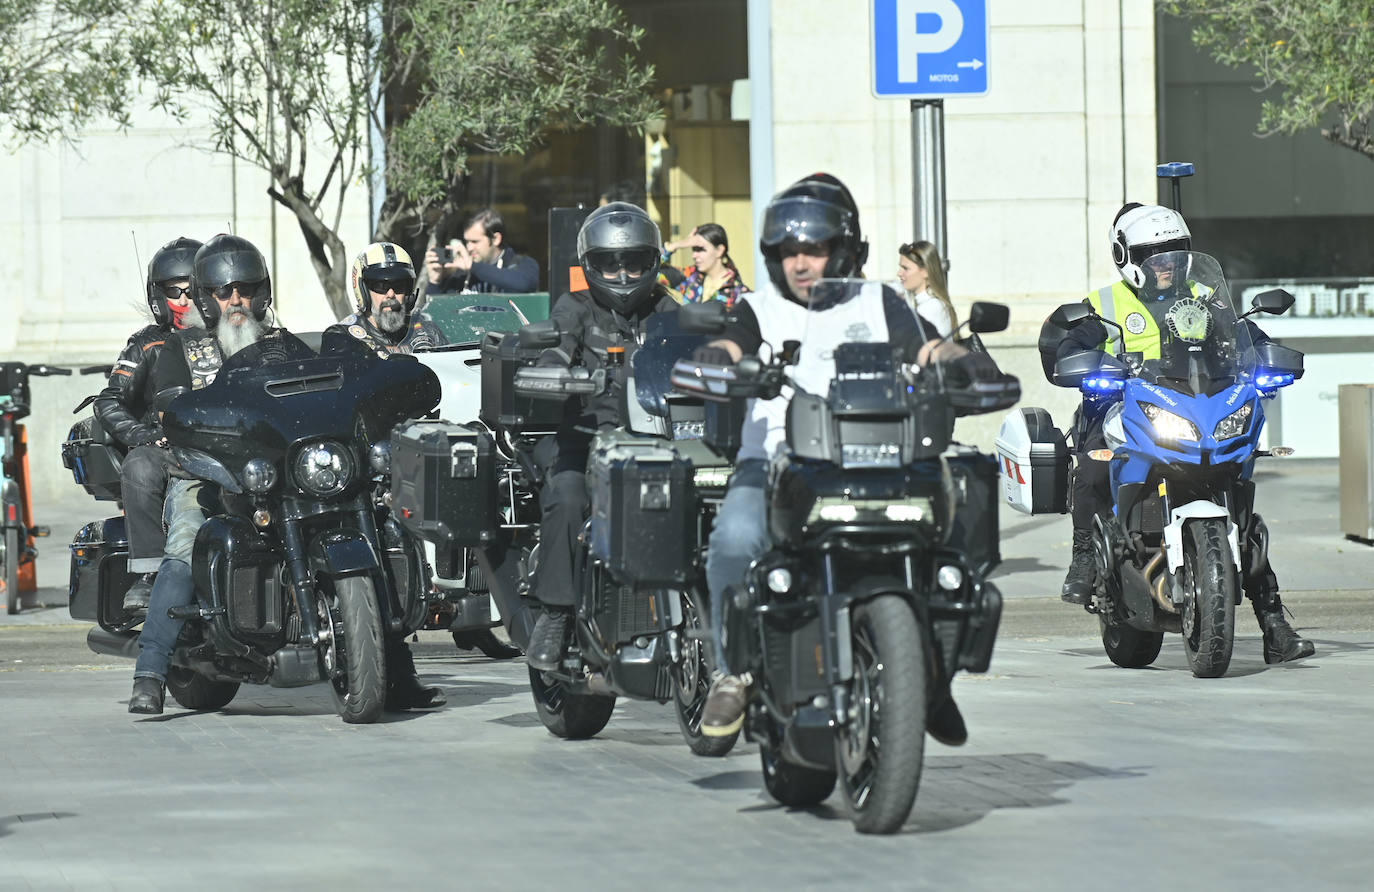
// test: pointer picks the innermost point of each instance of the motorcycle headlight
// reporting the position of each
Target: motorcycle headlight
(1235, 424)
(259, 475)
(914, 510)
(1169, 426)
(323, 469)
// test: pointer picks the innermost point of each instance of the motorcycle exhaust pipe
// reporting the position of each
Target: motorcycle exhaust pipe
(115, 644)
(1154, 569)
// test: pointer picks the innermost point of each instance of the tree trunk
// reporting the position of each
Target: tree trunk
(327, 252)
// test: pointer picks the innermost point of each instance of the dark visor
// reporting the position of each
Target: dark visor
(634, 261)
(803, 219)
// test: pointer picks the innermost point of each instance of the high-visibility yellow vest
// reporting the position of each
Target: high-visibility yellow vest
(1118, 303)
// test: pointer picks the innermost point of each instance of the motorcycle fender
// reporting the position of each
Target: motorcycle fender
(1180, 516)
(341, 553)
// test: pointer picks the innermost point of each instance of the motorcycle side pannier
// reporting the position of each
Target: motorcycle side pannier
(644, 509)
(100, 563)
(443, 482)
(501, 407)
(1034, 463)
(89, 453)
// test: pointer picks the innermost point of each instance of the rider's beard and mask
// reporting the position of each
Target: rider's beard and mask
(390, 316)
(185, 316)
(237, 329)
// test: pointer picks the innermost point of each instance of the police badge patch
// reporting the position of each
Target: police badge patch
(1135, 323)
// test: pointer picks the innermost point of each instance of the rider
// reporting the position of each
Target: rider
(810, 231)
(1140, 233)
(384, 297)
(618, 249)
(125, 409)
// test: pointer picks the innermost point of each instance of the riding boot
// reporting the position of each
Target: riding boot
(136, 598)
(946, 723)
(545, 651)
(1078, 585)
(403, 687)
(1281, 642)
(147, 696)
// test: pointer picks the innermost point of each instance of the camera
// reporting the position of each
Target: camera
(445, 253)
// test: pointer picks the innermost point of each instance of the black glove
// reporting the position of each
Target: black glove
(971, 368)
(144, 435)
(709, 355)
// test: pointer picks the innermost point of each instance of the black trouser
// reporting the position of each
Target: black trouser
(143, 481)
(564, 504)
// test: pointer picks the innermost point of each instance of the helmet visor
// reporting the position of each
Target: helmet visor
(384, 279)
(246, 290)
(634, 263)
(804, 219)
(1141, 253)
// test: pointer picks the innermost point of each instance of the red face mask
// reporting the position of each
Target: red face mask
(178, 313)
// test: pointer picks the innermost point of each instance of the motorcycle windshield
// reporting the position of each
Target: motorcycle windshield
(279, 391)
(664, 344)
(1194, 320)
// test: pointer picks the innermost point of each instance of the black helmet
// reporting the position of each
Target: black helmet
(620, 239)
(172, 261)
(814, 210)
(223, 260)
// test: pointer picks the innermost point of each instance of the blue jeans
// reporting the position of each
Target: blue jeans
(184, 512)
(738, 538)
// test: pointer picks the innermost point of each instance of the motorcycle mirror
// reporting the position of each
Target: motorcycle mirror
(544, 333)
(1275, 301)
(707, 318)
(986, 317)
(1070, 316)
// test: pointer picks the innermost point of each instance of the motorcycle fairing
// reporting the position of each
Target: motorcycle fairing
(1143, 451)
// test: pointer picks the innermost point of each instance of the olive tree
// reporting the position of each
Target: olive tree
(1317, 55)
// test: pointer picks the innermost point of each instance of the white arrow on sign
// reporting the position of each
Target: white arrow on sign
(975, 64)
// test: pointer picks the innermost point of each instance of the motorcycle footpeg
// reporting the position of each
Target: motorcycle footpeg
(40, 532)
(193, 611)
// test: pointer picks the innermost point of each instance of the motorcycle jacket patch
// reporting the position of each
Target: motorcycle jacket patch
(203, 357)
(420, 334)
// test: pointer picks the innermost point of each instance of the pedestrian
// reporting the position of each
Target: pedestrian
(713, 274)
(922, 275)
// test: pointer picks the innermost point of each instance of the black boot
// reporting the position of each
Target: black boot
(403, 687)
(136, 598)
(1078, 585)
(1281, 642)
(147, 697)
(946, 723)
(545, 651)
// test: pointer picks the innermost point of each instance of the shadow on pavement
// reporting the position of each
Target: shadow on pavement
(10, 821)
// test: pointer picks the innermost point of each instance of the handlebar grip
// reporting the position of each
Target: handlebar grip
(95, 370)
(44, 370)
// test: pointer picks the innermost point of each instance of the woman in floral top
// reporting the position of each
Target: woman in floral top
(713, 275)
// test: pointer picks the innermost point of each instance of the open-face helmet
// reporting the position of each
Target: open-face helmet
(230, 260)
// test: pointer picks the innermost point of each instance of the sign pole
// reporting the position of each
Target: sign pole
(928, 173)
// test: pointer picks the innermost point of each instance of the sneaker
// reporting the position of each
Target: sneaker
(723, 713)
(136, 598)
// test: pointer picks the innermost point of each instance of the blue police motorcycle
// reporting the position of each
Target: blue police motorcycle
(1182, 434)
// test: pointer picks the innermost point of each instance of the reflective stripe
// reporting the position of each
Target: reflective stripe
(1108, 312)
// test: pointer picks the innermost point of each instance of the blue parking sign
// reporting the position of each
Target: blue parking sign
(930, 48)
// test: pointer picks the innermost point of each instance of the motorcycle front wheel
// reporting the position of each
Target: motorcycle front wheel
(693, 681)
(568, 715)
(11, 571)
(1209, 608)
(359, 690)
(880, 750)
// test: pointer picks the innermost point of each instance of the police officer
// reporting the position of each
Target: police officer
(125, 409)
(384, 296)
(618, 249)
(1139, 235)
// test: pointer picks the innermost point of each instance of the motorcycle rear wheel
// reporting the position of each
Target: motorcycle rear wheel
(795, 786)
(1210, 583)
(1127, 646)
(567, 715)
(197, 692)
(693, 680)
(881, 749)
(11, 571)
(359, 692)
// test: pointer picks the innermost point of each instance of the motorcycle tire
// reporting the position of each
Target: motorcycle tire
(1127, 646)
(197, 692)
(359, 692)
(693, 681)
(566, 715)
(486, 641)
(1210, 583)
(881, 749)
(795, 786)
(11, 571)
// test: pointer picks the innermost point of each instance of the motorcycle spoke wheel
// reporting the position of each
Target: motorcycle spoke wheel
(693, 681)
(566, 714)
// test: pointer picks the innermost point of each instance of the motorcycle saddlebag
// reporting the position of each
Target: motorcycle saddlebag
(974, 529)
(1034, 463)
(502, 356)
(100, 572)
(90, 454)
(644, 513)
(443, 482)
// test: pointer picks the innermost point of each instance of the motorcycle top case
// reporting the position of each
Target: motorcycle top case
(501, 407)
(1034, 463)
(443, 482)
(644, 513)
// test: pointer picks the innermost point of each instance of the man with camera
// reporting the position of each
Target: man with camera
(481, 263)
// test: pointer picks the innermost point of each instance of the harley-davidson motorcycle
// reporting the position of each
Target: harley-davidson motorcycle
(874, 592)
(302, 576)
(1182, 435)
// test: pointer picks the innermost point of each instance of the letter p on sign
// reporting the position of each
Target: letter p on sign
(912, 42)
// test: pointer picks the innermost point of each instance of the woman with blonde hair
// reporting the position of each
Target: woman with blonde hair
(923, 277)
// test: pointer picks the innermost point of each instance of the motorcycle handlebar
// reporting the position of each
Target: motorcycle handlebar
(95, 370)
(47, 370)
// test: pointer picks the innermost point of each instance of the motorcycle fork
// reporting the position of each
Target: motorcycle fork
(302, 586)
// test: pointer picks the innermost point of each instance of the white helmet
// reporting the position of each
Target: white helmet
(1141, 231)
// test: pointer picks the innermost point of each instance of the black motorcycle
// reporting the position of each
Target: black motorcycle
(654, 483)
(301, 577)
(874, 593)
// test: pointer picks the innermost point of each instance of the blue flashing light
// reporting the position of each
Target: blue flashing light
(1174, 169)
(1102, 385)
(1268, 382)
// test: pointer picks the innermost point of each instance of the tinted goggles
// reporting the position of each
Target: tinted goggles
(402, 285)
(246, 290)
(634, 262)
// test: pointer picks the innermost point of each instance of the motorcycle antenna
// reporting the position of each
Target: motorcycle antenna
(137, 259)
(1175, 171)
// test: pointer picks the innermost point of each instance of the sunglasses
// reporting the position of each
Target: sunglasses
(176, 292)
(246, 290)
(402, 287)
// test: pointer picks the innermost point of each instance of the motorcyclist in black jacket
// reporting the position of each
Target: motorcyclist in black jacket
(384, 296)
(125, 409)
(618, 249)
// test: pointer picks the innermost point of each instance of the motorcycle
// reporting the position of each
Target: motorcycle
(874, 592)
(301, 577)
(654, 484)
(1182, 434)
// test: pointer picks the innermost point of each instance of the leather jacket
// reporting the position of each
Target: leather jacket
(125, 407)
(420, 333)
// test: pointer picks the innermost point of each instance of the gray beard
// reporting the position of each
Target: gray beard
(389, 320)
(233, 338)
